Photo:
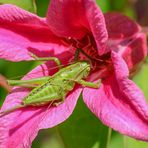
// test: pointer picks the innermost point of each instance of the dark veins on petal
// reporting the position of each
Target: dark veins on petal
(88, 51)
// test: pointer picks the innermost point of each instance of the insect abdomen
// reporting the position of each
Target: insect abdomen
(43, 95)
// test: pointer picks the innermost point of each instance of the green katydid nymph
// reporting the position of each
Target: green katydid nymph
(53, 88)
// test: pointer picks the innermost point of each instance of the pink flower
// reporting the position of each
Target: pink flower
(72, 24)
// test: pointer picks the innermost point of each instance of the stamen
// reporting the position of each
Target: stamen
(86, 49)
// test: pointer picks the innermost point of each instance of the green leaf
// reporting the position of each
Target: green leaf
(104, 5)
(129, 12)
(42, 7)
(141, 79)
(116, 139)
(132, 143)
(83, 129)
(25, 4)
(118, 5)
(13, 70)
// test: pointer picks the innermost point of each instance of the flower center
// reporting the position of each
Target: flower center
(86, 49)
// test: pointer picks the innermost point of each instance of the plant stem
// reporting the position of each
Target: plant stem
(125, 142)
(60, 137)
(108, 137)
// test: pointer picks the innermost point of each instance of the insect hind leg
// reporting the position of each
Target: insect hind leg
(28, 83)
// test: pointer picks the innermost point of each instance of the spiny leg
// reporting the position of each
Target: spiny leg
(56, 60)
(28, 83)
(88, 84)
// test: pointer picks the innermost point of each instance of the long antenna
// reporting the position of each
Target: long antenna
(55, 67)
(7, 111)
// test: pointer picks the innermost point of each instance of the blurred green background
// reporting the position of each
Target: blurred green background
(82, 129)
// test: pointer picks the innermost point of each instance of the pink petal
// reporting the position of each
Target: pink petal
(19, 128)
(11, 13)
(120, 26)
(21, 31)
(129, 48)
(114, 110)
(126, 39)
(134, 51)
(76, 18)
(119, 103)
(128, 87)
(97, 24)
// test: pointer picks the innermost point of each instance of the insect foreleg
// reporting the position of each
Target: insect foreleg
(56, 60)
(88, 84)
(28, 83)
